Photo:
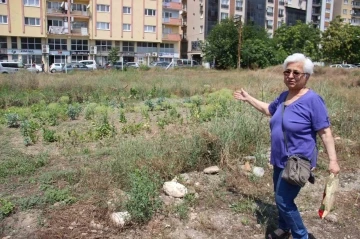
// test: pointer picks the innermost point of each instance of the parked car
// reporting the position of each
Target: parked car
(10, 67)
(345, 66)
(75, 67)
(161, 64)
(118, 65)
(33, 68)
(186, 63)
(132, 65)
(90, 64)
(56, 67)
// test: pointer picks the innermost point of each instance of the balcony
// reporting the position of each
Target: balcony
(239, 9)
(77, 10)
(174, 4)
(355, 4)
(356, 14)
(76, 30)
(316, 13)
(171, 21)
(281, 15)
(281, 3)
(184, 22)
(270, 14)
(224, 6)
(270, 1)
(171, 37)
(316, 3)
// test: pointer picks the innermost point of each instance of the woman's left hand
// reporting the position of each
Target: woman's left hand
(334, 167)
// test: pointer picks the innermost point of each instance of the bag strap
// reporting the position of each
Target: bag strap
(282, 127)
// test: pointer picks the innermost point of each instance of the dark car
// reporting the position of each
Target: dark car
(161, 64)
(118, 65)
(75, 67)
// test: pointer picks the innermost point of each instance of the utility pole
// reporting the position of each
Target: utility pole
(239, 44)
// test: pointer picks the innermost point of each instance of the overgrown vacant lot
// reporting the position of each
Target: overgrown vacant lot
(76, 148)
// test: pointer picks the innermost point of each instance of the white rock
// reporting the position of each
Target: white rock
(120, 218)
(96, 225)
(258, 171)
(331, 218)
(175, 189)
(212, 170)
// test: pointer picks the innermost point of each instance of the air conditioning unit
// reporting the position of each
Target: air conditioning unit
(147, 54)
(45, 49)
(154, 54)
(93, 50)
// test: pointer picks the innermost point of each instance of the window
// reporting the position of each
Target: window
(3, 43)
(238, 5)
(103, 25)
(76, 58)
(34, 3)
(344, 11)
(145, 47)
(327, 10)
(30, 43)
(3, 19)
(328, 1)
(127, 10)
(167, 14)
(79, 45)
(346, 1)
(167, 47)
(225, 4)
(149, 28)
(57, 44)
(103, 45)
(201, 29)
(150, 12)
(289, 2)
(281, 12)
(53, 5)
(55, 23)
(14, 44)
(269, 23)
(128, 46)
(126, 27)
(2, 1)
(31, 21)
(79, 7)
(270, 11)
(224, 15)
(103, 8)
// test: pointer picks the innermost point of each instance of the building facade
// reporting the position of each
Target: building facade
(73, 30)
(320, 12)
(348, 10)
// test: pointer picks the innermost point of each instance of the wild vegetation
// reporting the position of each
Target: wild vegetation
(73, 142)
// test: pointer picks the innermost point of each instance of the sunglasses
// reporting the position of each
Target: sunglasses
(295, 73)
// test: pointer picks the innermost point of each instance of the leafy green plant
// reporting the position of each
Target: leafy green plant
(245, 205)
(52, 195)
(183, 208)
(89, 111)
(6, 207)
(12, 120)
(134, 93)
(49, 135)
(122, 118)
(28, 129)
(143, 67)
(150, 104)
(73, 111)
(143, 195)
(26, 203)
(132, 129)
(104, 129)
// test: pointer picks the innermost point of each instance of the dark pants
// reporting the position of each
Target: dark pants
(289, 216)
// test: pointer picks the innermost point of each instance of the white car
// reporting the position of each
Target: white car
(56, 67)
(89, 63)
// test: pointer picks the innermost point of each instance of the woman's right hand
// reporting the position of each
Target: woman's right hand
(241, 95)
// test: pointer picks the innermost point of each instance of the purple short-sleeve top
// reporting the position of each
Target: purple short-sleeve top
(301, 120)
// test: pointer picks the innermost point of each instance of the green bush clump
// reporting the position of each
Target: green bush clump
(49, 135)
(104, 129)
(12, 120)
(89, 111)
(74, 111)
(52, 195)
(6, 207)
(143, 196)
(28, 129)
(143, 67)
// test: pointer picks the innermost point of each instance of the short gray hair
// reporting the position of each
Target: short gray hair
(298, 57)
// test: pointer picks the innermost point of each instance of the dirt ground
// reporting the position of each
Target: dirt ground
(211, 217)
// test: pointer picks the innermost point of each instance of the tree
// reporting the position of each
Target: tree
(299, 38)
(114, 54)
(341, 42)
(221, 44)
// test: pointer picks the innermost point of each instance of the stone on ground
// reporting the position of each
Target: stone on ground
(175, 189)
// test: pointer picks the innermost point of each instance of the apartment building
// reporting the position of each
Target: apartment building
(320, 12)
(348, 10)
(232, 9)
(73, 30)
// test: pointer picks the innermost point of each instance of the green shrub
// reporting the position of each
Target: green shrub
(122, 118)
(30, 202)
(104, 129)
(49, 135)
(12, 120)
(28, 129)
(144, 67)
(73, 111)
(143, 196)
(6, 207)
(89, 111)
(53, 195)
(132, 129)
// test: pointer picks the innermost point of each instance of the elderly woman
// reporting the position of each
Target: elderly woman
(299, 113)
